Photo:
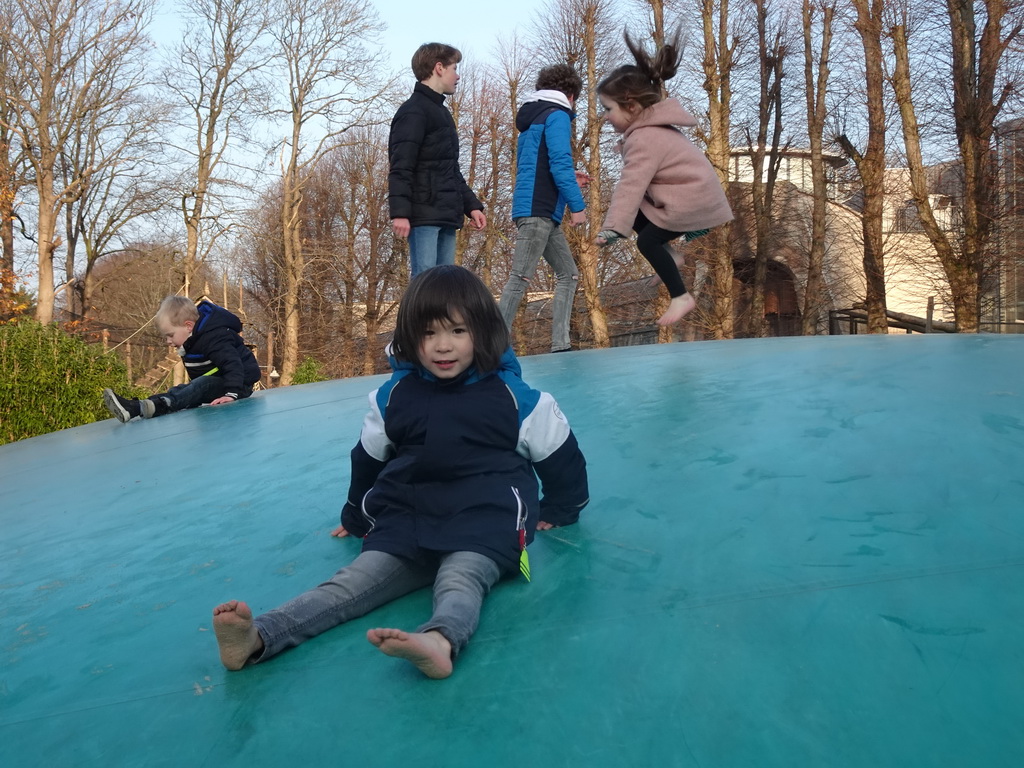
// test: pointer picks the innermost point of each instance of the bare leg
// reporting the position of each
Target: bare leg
(429, 651)
(678, 308)
(237, 638)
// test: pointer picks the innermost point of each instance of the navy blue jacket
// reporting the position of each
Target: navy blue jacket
(452, 466)
(425, 184)
(545, 175)
(216, 348)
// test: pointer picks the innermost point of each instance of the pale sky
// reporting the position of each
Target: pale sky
(472, 26)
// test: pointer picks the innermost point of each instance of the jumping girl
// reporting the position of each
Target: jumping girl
(668, 189)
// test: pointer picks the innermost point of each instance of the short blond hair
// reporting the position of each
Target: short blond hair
(177, 310)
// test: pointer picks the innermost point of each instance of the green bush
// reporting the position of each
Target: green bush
(50, 380)
(308, 372)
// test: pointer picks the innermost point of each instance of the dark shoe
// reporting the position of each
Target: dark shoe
(154, 406)
(122, 409)
(566, 349)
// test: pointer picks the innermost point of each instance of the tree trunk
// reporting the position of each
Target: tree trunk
(718, 66)
(589, 252)
(871, 164)
(294, 268)
(816, 90)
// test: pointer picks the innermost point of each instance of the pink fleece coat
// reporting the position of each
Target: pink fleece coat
(665, 176)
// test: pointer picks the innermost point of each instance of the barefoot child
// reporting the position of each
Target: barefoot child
(443, 485)
(668, 189)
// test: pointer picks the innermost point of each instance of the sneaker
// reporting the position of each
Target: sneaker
(147, 408)
(122, 409)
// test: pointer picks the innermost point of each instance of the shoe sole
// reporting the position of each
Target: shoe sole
(116, 409)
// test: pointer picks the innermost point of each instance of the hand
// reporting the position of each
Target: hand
(607, 237)
(578, 219)
(340, 532)
(401, 227)
(542, 526)
(222, 400)
(477, 219)
(583, 179)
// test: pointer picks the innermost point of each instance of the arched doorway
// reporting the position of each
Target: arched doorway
(781, 310)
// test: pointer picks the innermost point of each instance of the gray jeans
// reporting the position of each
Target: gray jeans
(539, 236)
(461, 581)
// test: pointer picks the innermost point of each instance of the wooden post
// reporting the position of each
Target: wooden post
(928, 317)
(270, 358)
(106, 340)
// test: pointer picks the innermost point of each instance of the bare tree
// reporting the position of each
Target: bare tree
(215, 76)
(11, 162)
(816, 75)
(119, 194)
(976, 62)
(765, 148)
(331, 78)
(372, 267)
(718, 65)
(871, 162)
(74, 55)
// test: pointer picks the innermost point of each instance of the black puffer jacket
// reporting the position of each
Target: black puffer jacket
(425, 184)
(215, 343)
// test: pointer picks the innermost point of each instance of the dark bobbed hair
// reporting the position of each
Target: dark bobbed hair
(642, 83)
(438, 293)
(429, 54)
(560, 77)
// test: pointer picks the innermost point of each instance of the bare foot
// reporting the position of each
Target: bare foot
(237, 637)
(678, 308)
(429, 651)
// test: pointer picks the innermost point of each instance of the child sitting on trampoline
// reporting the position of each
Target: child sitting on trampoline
(443, 487)
(667, 189)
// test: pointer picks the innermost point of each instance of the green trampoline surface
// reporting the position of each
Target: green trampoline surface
(798, 552)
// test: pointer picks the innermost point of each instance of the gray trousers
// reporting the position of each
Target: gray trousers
(461, 581)
(539, 236)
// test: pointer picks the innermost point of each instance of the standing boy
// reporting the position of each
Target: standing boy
(427, 194)
(220, 367)
(545, 183)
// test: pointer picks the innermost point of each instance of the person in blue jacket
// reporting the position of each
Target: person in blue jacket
(221, 369)
(444, 485)
(546, 182)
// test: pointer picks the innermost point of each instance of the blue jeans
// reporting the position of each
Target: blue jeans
(461, 581)
(430, 246)
(538, 236)
(203, 389)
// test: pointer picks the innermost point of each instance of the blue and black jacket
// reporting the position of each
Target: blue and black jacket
(215, 348)
(545, 175)
(450, 466)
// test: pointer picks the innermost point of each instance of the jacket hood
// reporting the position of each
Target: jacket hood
(667, 112)
(211, 317)
(538, 104)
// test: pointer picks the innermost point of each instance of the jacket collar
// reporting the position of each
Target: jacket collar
(430, 93)
(555, 97)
